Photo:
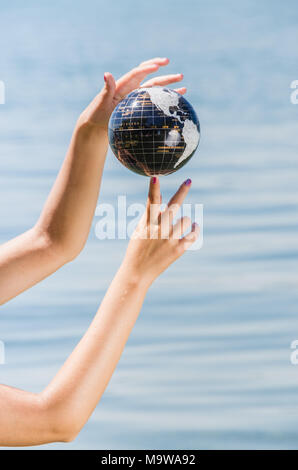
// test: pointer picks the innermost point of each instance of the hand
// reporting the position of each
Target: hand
(156, 242)
(100, 109)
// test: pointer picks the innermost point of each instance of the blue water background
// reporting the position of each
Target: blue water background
(208, 363)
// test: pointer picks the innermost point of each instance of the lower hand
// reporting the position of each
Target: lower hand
(100, 109)
(156, 242)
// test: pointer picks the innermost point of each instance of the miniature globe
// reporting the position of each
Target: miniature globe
(154, 131)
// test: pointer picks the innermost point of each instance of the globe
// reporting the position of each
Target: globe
(154, 131)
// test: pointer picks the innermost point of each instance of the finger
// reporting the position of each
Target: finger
(163, 80)
(157, 60)
(141, 71)
(105, 97)
(176, 201)
(191, 237)
(153, 201)
(180, 227)
(181, 91)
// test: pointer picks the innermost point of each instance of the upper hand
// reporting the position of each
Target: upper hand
(100, 109)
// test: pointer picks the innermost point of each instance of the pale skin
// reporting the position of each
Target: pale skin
(59, 412)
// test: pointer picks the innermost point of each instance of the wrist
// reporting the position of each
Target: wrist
(134, 277)
(86, 130)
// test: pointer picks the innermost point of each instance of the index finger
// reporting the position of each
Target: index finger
(153, 201)
(156, 60)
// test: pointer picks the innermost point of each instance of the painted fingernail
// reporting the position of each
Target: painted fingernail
(154, 179)
(105, 78)
(187, 182)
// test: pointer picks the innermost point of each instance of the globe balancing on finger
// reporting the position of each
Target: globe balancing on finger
(154, 131)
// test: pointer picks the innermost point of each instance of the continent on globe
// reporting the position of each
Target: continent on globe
(154, 131)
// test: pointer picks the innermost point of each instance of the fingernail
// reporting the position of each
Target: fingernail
(154, 179)
(187, 182)
(105, 78)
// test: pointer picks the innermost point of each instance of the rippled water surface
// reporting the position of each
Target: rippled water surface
(208, 363)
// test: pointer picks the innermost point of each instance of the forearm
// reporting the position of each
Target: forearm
(75, 391)
(68, 212)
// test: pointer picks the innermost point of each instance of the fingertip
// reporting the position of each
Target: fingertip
(192, 236)
(189, 239)
(106, 76)
(109, 86)
(187, 182)
(195, 228)
(162, 60)
(154, 192)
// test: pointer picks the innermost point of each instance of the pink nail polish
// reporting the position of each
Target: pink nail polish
(105, 78)
(154, 179)
(187, 182)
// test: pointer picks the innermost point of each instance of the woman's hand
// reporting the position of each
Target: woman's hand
(61, 232)
(100, 109)
(156, 242)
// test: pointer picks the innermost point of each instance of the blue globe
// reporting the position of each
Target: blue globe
(154, 131)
